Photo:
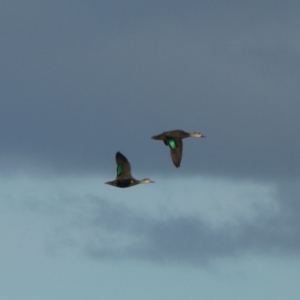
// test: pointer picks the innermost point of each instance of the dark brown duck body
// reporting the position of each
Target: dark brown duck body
(124, 178)
(123, 183)
(173, 139)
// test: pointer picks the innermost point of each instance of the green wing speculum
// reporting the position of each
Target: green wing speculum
(120, 169)
(172, 143)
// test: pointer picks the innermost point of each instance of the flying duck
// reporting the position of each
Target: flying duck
(124, 178)
(173, 139)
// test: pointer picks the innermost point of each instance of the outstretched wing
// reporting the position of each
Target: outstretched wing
(176, 147)
(123, 166)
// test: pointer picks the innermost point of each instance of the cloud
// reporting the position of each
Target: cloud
(163, 226)
(115, 231)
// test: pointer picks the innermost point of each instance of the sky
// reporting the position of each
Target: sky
(80, 81)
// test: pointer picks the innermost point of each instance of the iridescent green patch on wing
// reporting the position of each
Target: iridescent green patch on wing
(172, 144)
(119, 170)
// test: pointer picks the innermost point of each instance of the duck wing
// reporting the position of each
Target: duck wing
(176, 147)
(123, 166)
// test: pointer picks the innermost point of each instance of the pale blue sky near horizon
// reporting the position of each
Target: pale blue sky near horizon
(80, 81)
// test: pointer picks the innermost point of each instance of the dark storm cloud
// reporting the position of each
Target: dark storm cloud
(81, 81)
(190, 240)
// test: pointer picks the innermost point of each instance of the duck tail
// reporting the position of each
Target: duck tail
(158, 137)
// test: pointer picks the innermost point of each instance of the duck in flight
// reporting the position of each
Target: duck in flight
(173, 139)
(124, 178)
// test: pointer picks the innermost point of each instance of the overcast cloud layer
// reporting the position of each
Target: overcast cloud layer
(80, 81)
(118, 228)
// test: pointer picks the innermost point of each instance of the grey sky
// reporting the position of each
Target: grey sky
(82, 81)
